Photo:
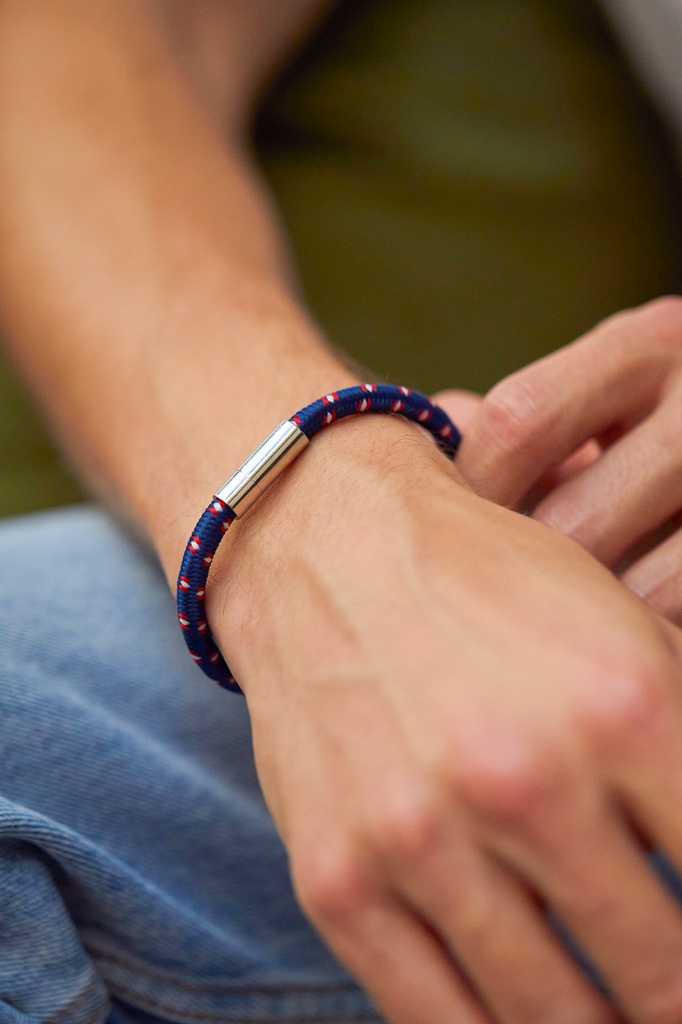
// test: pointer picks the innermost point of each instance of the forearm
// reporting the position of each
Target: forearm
(145, 287)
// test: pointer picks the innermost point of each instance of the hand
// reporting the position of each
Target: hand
(460, 717)
(612, 400)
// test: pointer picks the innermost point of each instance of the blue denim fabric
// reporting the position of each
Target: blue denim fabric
(137, 858)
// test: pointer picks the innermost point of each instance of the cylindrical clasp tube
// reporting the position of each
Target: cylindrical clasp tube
(260, 469)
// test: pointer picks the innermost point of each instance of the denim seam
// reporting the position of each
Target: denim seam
(154, 974)
(158, 1009)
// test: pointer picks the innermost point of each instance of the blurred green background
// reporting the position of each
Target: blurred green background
(468, 184)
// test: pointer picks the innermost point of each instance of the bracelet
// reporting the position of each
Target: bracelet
(258, 472)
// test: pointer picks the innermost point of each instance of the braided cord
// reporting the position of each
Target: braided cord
(218, 517)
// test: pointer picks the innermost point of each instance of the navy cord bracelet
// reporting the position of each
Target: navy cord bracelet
(259, 470)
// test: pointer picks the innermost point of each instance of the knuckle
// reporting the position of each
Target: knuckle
(512, 412)
(515, 792)
(667, 308)
(409, 829)
(664, 316)
(628, 703)
(331, 888)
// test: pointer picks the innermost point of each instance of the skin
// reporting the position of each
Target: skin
(612, 402)
(460, 716)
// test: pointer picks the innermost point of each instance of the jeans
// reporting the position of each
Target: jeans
(141, 876)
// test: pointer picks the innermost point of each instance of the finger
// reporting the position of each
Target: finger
(657, 578)
(645, 763)
(591, 869)
(540, 415)
(502, 940)
(404, 968)
(585, 456)
(631, 490)
(461, 406)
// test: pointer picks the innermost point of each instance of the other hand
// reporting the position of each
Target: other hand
(610, 403)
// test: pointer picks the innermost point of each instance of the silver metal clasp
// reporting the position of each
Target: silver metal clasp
(263, 467)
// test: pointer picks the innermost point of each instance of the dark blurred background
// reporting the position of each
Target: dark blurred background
(468, 184)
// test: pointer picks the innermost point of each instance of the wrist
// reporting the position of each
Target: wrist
(345, 485)
(349, 463)
(249, 369)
